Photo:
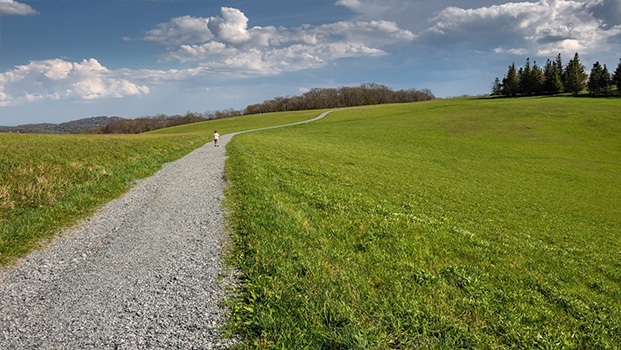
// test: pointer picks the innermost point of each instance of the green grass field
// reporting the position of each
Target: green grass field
(467, 223)
(230, 125)
(48, 182)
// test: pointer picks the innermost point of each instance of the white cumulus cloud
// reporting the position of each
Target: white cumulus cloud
(10, 7)
(541, 28)
(232, 28)
(58, 79)
(521, 27)
(181, 30)
(230, 45)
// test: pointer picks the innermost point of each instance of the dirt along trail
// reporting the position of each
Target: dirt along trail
(144, 272)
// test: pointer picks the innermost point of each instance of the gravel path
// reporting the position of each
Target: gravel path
(145, 272)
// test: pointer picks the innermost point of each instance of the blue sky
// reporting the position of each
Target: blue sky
(63, 60)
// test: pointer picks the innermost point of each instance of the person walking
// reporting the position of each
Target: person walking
(216, 136)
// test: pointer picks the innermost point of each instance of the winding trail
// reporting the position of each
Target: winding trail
(144, 272)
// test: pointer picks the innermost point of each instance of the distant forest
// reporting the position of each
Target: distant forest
(316, 98)
(160, 121)
(555, 78)
(365, 94)
(71, 127)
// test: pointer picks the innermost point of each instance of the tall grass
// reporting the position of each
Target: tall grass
(48, 182)
(474, 223)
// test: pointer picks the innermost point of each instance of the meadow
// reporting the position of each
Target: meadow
(449, 224)
(230, 125)
(49, 182)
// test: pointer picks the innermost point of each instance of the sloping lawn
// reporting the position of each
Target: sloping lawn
(465, 223)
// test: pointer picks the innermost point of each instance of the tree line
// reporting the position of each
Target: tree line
(160, 121)
(555, 78)
(316, 98)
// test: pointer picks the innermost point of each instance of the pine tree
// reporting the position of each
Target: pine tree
(616, 78)
(593, 85)
(552, 81)
(496, 87)
(526, 79)
(559, 67)
(605, 81)
(600, 82)
(575, 77)
(510, 83)
(537, 79)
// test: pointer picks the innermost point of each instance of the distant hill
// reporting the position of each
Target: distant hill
(62, 128)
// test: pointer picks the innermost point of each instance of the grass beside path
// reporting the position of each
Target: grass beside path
(467, 223)
(48, 182)
(230, 125)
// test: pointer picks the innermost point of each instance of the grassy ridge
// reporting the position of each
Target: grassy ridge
(231, 125)
(476, 223)
(49, 181)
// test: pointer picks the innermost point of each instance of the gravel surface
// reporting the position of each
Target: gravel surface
(145, 272)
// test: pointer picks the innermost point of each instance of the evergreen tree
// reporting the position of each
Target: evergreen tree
(575, 77)
(496, 87)
(600, 82)
(605, 81)
(510, 83)
(553, 78)
(561, 72)
(616, 78)
(526, 79)
(552, 81)
(537, 79)
(593, 85)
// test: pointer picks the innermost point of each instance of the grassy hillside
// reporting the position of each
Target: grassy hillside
(472, 223)
(230, 125)
(50, 181)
